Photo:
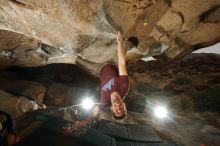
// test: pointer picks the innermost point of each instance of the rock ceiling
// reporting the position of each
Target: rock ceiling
(35, 33)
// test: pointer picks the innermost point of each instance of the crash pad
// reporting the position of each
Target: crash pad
(127, 143)
(52, 133)
(132, 132)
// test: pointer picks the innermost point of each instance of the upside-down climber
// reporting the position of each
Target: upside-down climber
(114, 83)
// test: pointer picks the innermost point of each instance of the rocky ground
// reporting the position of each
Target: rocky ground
(190, 88)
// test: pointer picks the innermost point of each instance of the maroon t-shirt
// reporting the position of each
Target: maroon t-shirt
(111, 81)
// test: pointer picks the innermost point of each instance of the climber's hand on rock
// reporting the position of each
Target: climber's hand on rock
(119, 37)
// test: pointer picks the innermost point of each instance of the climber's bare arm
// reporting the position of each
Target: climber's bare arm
(121, 56)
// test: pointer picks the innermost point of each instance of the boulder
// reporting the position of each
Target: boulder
(16, 105)
(35, 33)
(29, 89)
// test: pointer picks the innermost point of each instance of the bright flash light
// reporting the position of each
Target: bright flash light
(160, 112)
(87, 103)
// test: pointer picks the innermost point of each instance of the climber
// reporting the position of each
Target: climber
(7, 130)
(114, 83)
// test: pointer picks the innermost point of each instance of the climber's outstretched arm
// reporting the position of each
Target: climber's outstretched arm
(121, 56)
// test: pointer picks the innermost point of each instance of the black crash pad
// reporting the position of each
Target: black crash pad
(52, 134)
(132, 132)
(124, 143)
(86, 134)
(48, 137)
